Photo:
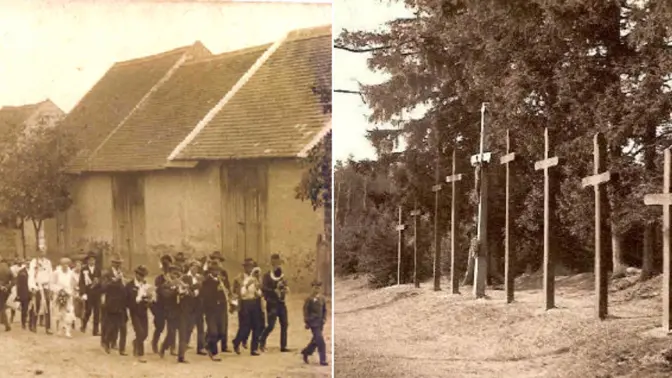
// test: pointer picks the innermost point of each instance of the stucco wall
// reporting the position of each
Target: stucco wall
(89, 218)
(182, 211)
(293, 225)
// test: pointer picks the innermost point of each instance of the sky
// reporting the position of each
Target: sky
(59, 49)
(350, 113)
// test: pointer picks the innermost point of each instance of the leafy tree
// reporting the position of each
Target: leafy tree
(34, 185)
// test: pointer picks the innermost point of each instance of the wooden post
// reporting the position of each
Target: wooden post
(508, 276)
(665, 200)
(481, 260)
(400, 240)
(415, 214)
(453, 179)
(549, 198)
(602, 223)
(437, 234)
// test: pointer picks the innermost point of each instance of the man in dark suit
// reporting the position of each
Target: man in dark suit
(187, 302)
(114, 290)
(158, 307)
(23, 294)
(181, 262)
(90, 290)
(224, 279)
(213, 296)
(137, 301)
(315, 317)
(274, 288)
(169, 292)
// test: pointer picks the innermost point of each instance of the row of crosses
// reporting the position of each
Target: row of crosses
(602, 247)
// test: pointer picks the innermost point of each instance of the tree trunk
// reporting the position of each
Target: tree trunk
(23, 238)
(647, 253)
(37, 225)
(619, 266)
(649, 234)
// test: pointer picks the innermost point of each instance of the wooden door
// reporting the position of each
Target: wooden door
(244, 210)
(129, 219)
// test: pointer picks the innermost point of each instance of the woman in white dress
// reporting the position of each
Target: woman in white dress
(64, 282)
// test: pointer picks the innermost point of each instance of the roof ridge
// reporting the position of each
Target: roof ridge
(149, 58)
(228, 54)
(227, 97)
(310, 33)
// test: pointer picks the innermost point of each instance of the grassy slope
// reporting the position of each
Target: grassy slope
(408, 332)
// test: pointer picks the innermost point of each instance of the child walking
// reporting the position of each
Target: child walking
(315, 316)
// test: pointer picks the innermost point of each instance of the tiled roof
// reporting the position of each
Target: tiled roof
(113, 98)
(276, 113)
(145, 139)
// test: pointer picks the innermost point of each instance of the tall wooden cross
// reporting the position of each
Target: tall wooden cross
(481, 161)
(602, 223)
(437, 235)
(549, 200)
(453, 180)
(665, 199)
(400, 241)
(508, 276)
(415, 214)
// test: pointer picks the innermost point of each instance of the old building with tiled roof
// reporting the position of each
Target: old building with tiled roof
(194, 152)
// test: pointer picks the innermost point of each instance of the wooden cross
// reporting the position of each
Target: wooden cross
(508, 276)
(602, 223)
(665, 200)
(453, 179)
(549, 195)
(400, 240)
(481, 263)
(415, 213)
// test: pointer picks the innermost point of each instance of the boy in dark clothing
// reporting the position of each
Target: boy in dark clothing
(315, 316)
(158, 307)
(137, 300)
(187, 307)
(274, 288)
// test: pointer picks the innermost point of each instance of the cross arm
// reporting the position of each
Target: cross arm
(401, 227)
(415, 213)
(546, 163)
(511, 156)
(596, 179)
(436, 188)
(664, 199)
(454, 178)
(476, 159)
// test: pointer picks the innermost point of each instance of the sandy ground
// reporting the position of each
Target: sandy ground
(25, 354)
(406, 332)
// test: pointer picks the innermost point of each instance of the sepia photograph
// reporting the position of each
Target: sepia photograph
(165, 188)
(502, 189)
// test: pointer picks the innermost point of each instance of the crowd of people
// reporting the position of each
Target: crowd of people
(188, 295)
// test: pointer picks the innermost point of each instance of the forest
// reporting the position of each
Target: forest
(573, 67)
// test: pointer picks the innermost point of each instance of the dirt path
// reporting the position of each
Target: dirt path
(408, 332)
(25, 354)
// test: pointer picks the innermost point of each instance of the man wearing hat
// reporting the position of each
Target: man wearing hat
(22, 290)
(158, 307)
(250, 309)
(188, 308)
(115, 319)
(197, 272)
(169, 293)
(274, 288)
(224, 279)
(213, 296)
(90, 291)
(138, 299)
(181, 262)
(315, 317)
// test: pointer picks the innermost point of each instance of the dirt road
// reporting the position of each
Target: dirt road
(407, 332)
(25, 354)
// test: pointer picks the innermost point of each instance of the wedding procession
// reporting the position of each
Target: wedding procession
(189, 297)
